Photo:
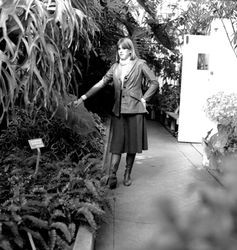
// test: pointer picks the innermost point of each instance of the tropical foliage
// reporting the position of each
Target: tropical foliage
(44, 207)
(46, 46)
(196, 20)
(38, 44)
(47, 49)
(169, 97)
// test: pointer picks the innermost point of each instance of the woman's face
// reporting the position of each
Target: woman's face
(123, 53)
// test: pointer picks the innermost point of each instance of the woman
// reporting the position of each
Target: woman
(129, 133)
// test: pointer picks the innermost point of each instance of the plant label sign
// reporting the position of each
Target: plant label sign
(36, 143)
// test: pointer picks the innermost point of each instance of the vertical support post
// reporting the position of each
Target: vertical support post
(37, 162)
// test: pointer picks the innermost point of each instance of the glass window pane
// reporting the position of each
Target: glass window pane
(203, 61)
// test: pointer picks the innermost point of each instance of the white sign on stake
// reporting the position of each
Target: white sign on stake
(36, 143)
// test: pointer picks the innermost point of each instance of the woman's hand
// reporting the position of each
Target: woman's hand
(143, 102)
(75, 103)
(78, 102)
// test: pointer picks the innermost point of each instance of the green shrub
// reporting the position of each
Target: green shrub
(169, 97)
(46, 209)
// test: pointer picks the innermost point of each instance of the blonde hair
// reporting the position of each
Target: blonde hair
(126, 43)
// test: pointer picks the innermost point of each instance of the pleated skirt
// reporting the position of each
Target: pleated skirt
(129, 134)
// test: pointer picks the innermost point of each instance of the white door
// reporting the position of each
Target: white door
(209, 66)
(195, 88)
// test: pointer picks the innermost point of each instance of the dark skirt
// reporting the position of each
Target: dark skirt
(129, 134)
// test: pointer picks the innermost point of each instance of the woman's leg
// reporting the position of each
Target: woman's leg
(114, 164)
(129, 164)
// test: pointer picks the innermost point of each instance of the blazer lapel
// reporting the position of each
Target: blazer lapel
(132, 69)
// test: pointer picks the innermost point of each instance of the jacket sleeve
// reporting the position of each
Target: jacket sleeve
(152, 80)
(108, 77)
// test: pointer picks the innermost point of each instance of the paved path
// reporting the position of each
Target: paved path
(167, 169)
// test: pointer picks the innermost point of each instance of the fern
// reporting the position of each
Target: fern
(67, 188)
(30, 209)
(62, 244)
(30, 161)
(57, 213)
(91, 187)
(39, 240)
(35, 222)
(59, 226)
(10, 158)
(75, 192)
(72, 229)
(52, 239)
(5, 245)
(92, 207)
(33, 204)
(88, 216)
(10, 230)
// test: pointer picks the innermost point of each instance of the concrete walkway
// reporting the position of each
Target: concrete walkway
(167, 169)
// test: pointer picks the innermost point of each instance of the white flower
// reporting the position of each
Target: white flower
(222, 108)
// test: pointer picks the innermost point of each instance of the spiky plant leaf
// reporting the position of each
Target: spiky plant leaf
(36, 56)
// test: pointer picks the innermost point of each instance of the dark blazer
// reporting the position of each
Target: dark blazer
(128, 97)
